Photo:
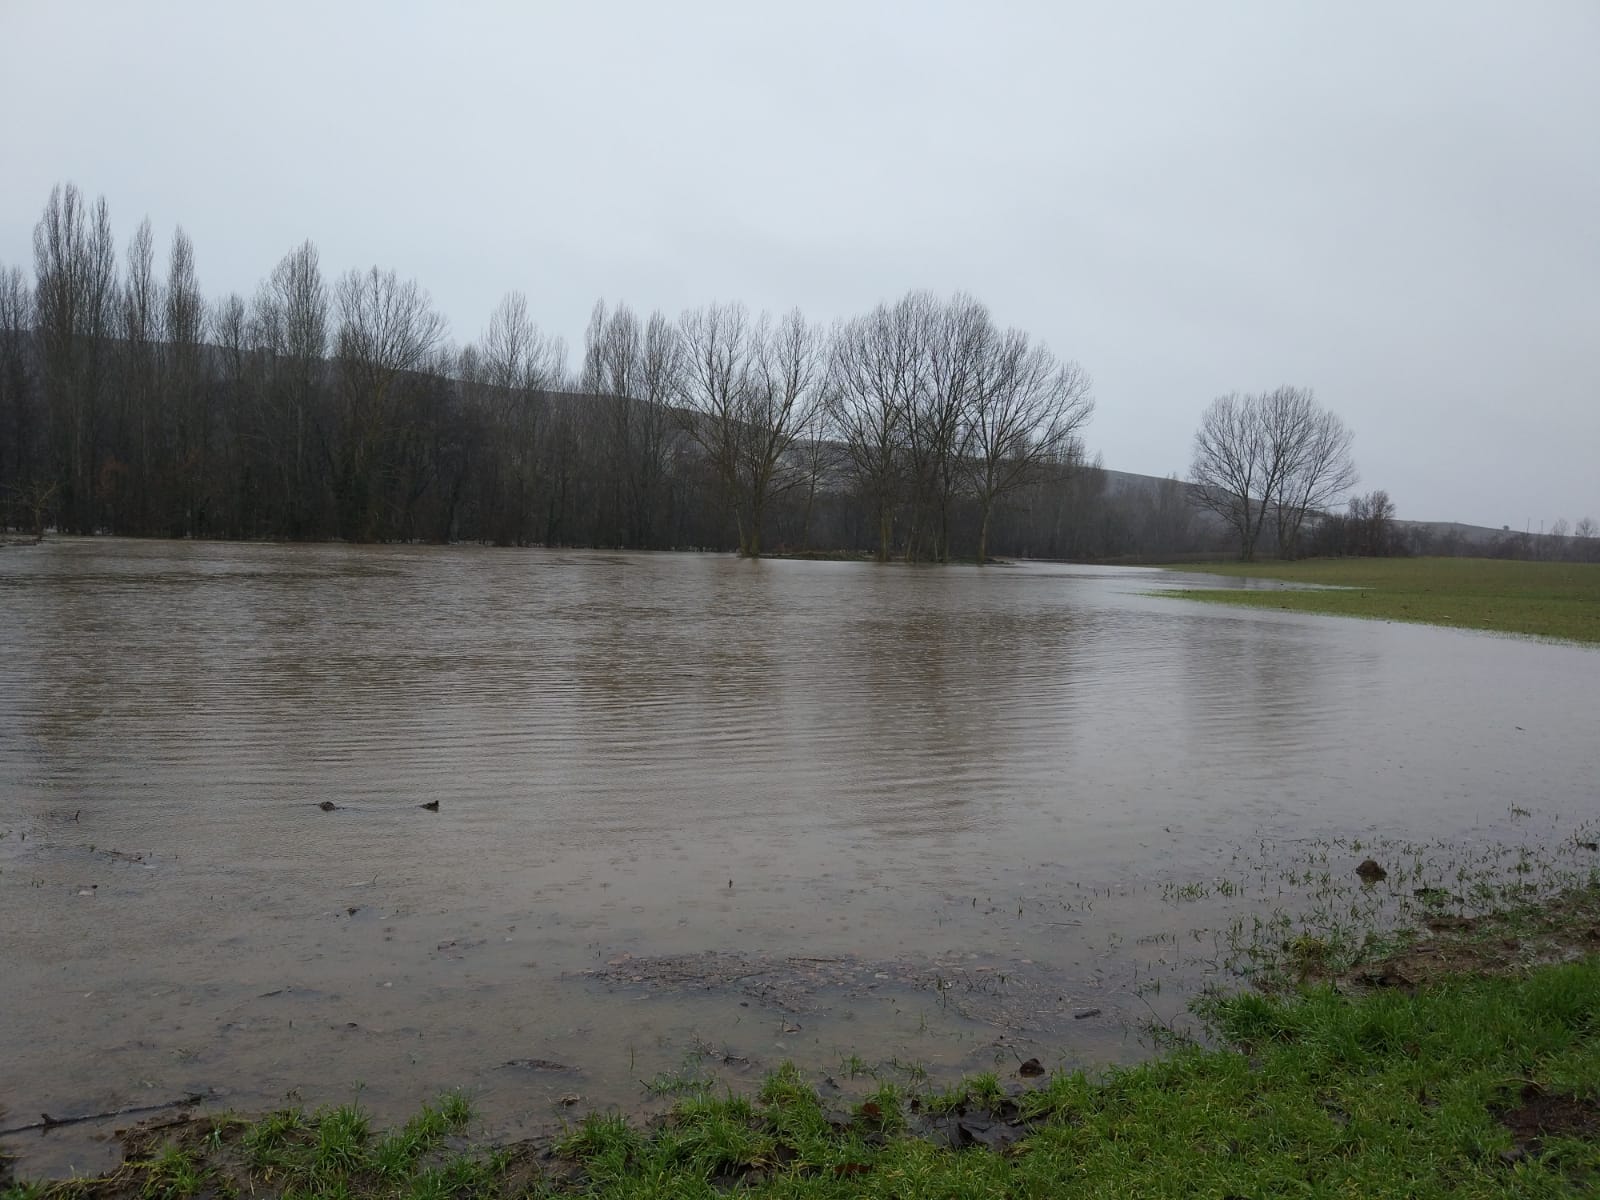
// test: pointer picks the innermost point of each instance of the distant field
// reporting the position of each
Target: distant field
(1546, 599)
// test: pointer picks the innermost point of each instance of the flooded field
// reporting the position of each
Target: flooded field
(602, 824)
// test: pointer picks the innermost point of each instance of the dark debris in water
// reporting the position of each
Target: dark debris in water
(1012, 995)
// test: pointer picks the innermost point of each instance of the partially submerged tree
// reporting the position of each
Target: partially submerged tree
(956, 337)
(290, 325)
(874, 369)
(183, 380)
(1027, 411)
(749, 393)
(75, 302)
(129, 403)
(507, 377)
(388, 330)
(631, 370)
(21, 420)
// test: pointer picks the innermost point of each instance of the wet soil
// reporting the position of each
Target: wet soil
(1556, 929)
(1537, 1114)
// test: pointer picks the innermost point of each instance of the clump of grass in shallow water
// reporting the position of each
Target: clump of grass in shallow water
(330, 1153)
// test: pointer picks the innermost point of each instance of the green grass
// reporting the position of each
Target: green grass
(1315, 1094)
(1545, 599)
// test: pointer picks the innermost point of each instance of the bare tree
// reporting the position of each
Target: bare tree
(819, 456)
(781, 403)
(660, 367)
(1559, 532)
(129, 488)
(1028, 410)
(184, 367)
(716, 374)
(1586, 534)
(1370, 525)
(612, 366)
(873, 371)
(517, 356)
(955, 338)
(388, 330)
(1231, 471)
(235, 379)
(748, 393)
(21, 422)
(927, 406)
(75, 269)
(518, 363)
(632, 370)
(1311, 450)
(291, 332)
(1276, 453)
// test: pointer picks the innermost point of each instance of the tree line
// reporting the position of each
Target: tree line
(322, 408)
(319, 408)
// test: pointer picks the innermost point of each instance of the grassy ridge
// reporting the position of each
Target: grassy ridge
(1556, 600)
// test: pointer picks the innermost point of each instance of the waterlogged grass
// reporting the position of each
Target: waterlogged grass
(330, 1153)
(1473, 1086)
(1544, 599)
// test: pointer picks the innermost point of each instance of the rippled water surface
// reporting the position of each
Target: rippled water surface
(867, 776)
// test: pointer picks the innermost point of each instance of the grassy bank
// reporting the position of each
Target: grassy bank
(1462, 1065)
(1557, 600)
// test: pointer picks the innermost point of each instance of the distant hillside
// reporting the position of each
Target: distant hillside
(1440, 537)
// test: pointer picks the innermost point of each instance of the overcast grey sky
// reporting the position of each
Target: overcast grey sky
(1397, 204)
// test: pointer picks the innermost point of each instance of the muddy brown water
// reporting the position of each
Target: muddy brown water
(695, 815)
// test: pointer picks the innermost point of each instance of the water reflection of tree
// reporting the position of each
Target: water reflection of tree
(959, 692)
(1262, 695)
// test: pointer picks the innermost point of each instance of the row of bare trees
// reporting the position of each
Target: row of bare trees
(1563, 541)
(1365, 529)
(918, 405)
(339, 408)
